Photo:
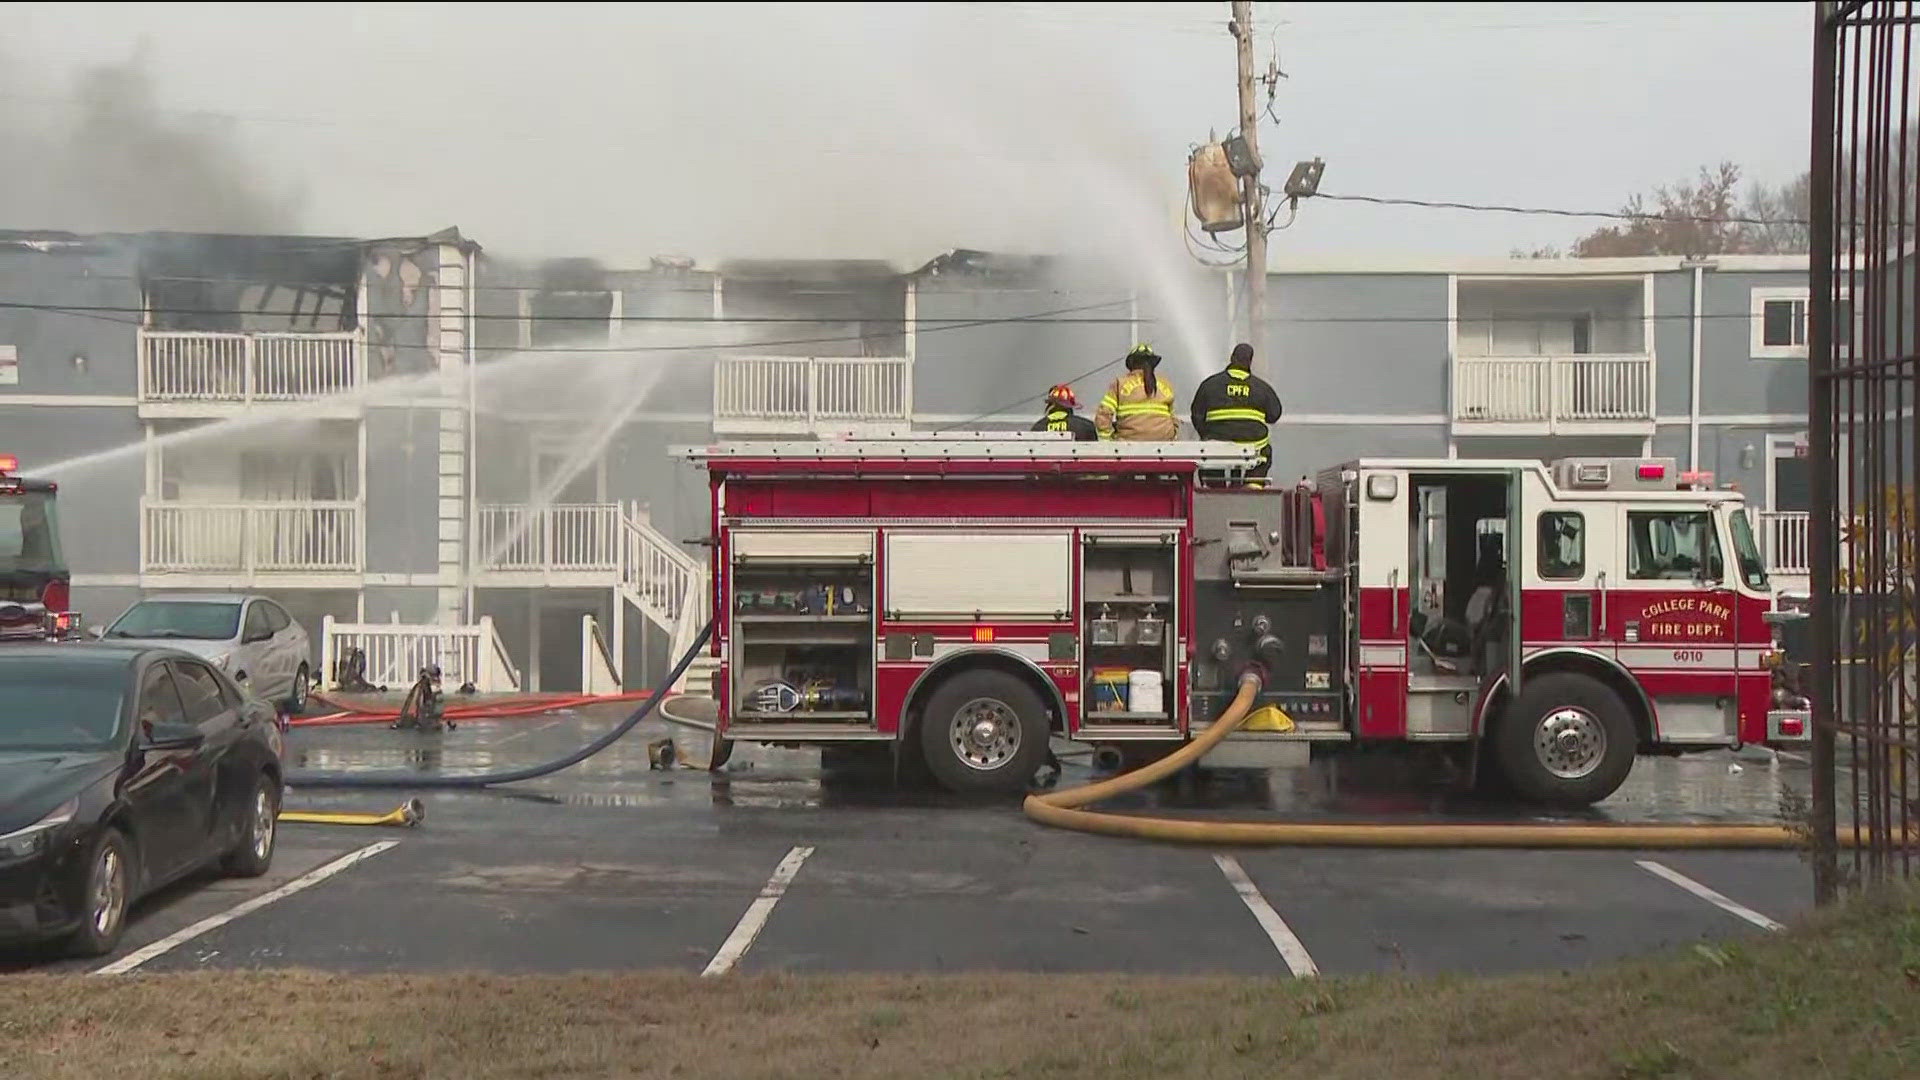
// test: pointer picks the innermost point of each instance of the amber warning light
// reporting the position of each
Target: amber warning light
(9, 463)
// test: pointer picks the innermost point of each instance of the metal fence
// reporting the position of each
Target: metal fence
(1865, 199)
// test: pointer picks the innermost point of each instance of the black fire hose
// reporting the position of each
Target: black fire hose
(299, 778)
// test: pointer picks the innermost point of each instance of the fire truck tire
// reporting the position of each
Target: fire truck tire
(984, 730)
(1567, 740)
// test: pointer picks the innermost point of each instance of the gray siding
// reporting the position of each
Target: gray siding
(1358, 343)
(979, 369)
(48, 341)
(1672, 343)
(402, 490)
(99, 504)
(1304, 449)
(1731, 381)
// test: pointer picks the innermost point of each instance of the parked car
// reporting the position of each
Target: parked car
(251, 638)
(123, 769)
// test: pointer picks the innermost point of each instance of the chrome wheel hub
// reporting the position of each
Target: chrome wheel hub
(108, 897)
(985, 733)
(1570, 742)
(264, 821)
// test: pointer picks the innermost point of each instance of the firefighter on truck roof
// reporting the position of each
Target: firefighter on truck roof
(1237, 406)
(1138, 406)
(1060, 415)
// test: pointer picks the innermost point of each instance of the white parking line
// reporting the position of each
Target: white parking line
(1294, 953)
(750, 924)
(212, 922)
(1717, 899)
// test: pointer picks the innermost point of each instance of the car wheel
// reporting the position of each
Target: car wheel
(105, 897)
(297, 696)
(984, 730)
(1566, 740)
(252, 853)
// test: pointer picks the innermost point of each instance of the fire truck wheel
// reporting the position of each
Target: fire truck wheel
(1566, 740)
(984, 730)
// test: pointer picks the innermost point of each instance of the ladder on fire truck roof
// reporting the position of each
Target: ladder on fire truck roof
(980, 446)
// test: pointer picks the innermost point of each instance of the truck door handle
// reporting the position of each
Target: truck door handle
(1393, 600)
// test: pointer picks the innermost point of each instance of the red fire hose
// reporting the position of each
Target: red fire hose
(490, 710)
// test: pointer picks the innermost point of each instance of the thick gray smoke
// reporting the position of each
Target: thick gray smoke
(103, 156)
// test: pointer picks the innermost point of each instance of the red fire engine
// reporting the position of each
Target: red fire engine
(34, 584)
(965, 598)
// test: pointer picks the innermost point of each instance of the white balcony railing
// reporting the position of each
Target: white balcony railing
(186, 366)
(564, 536)
(1553, 390)
(249, 538)
(394, 653)
(795, 393)
(1784, 542)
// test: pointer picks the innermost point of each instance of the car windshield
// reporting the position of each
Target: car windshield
(1752, 568)
(60, 703)
(197, 620)
(28, 539)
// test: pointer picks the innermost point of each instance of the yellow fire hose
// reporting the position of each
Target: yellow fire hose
(1062, 810)
(406, 815)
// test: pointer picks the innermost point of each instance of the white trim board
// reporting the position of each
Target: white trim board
(96, 401)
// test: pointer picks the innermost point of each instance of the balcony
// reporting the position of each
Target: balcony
(233, 545)
(799, 395)
(562, 544)
(192, 373)
(1553, 395)
(1784, 542)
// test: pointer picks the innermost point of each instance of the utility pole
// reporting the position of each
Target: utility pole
(1252, 201)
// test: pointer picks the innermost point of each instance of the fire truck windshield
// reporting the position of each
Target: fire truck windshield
(1752, 568)
(29, 541)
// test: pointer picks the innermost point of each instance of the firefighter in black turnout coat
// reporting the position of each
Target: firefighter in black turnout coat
(1060, 416)
(1237, 406)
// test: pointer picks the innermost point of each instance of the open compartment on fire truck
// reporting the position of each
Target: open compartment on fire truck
(802, 640)
(1464, 577)
(1127, 615)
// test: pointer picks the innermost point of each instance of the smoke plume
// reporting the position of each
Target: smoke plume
(107, 157)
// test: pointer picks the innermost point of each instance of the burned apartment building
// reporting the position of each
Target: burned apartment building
(415, 433)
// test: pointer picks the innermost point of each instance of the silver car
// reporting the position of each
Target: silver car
(251, 638)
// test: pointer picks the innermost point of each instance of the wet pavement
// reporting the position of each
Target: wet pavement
(614, 864)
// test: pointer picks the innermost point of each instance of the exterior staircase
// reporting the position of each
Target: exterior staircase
(670, 588)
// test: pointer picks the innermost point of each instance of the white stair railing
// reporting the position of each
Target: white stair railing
(598, 673)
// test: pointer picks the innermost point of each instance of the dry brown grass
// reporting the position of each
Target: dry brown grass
(1840, 997)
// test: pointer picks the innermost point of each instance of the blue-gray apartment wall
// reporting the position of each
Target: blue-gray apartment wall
(962, 371)
(71, 352)
(1365, 344)
(1673, 342)
(402, 489)
(1732, 381)
(100, 503)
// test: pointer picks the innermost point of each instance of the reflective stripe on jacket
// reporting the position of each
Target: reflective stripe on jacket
(1129, 414)
(1235, 406)
(1058, 419)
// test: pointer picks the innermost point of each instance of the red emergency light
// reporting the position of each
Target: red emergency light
(9, 463)
(1792, 727)
(1653, 472)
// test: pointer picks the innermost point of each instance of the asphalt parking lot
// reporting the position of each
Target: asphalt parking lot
(779, 864)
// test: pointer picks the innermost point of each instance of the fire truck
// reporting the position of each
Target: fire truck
(965, 599)
(34, 584)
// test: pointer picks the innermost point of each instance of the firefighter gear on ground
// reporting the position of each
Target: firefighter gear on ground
(1138, 406)
(1237, 406)
(1060, 416)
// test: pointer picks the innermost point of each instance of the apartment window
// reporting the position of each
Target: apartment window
(1780, 323)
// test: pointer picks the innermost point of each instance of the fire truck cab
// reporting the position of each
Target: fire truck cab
(34, 583)
(965, 598)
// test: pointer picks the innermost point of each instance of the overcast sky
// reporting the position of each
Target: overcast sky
(897, 131)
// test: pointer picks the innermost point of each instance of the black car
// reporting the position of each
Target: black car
(121, 770)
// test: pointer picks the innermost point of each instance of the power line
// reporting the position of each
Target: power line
(1617, 215)
(1060, 316)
